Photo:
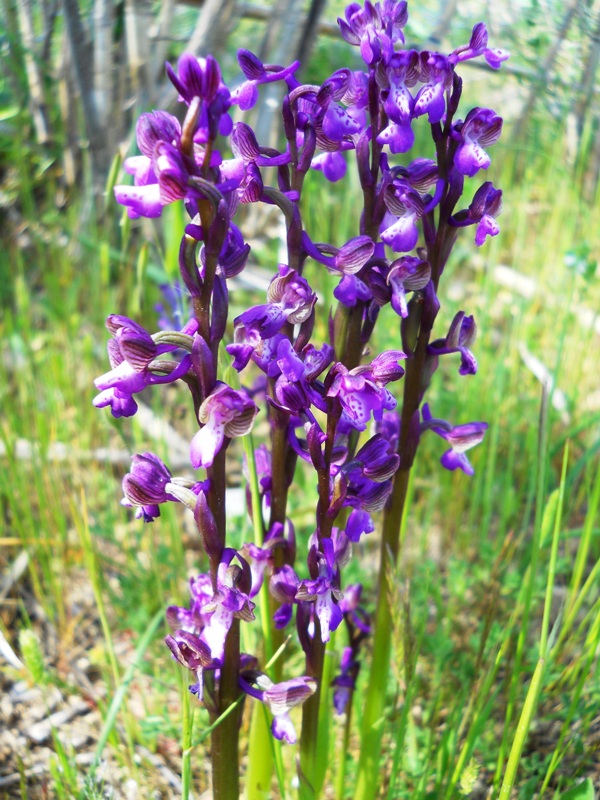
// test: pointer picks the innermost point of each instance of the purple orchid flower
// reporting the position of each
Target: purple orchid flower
(144, 486)
(336, 123)
(258, 74)
(195, 77)
(226, 412)
(143, 198)
(346, 261)
(353, 489)
(232, 599)
(405, 207)
(249, 156)
(402, 73)
(486, 206)
(199, 79)
(332, 165)
(377, 459)
(461, 335)
(361, 391)
(375, 28)
(195, 618)
(364, 483)
(290, 300)
(283, 586)
(345, 681)
(436, 72)
(280, 698)
(192, 653)
(407, 273)
(482, 127)
(132, 353)
(295, 389)
(359, 523)
(478, 46)
(160, 180)
(260, 559)
(324, 590)
(460, 438)
(248, 344)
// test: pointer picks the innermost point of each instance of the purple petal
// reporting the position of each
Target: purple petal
(400, 138)
(283, 729)
(486, 227)
(495, 57)
(329, 613)
(332, 165)
(431, 100)
(207, 443)
(470, 158)
(141, 201)
(246, 95)
(403, 235)
(468, 362)
(359, 523)
(452, 460)
(216, 631)
(337, 123)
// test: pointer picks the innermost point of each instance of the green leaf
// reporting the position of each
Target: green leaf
(583, 791)
(9, 112)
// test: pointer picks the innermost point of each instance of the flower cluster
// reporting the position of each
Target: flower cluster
(326, 403)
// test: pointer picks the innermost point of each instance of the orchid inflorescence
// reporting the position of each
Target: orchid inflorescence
(326, 402)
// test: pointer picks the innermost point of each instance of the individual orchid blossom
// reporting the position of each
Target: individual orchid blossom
(478, 46)
(231, 599)
(485, 207)
(257, 74)
(405, 206)
(192, 653)
(133, 356)
(361, 391)
(375, 28)
(332, 165)
(460, 438)
(482, 127)
(279, 698)
(344, 682)
(194, 618)
(436, 73)
(461, 335)
(324, 589)
(407, 273)
(226, 412)
(144, 486)
(283, 586)
(290, 300)
(359, 523)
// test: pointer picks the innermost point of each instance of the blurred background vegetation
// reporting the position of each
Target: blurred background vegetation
(81, 582)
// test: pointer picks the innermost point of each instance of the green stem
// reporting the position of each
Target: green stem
(393, 520)
(309, 738)
(225, 738)
(374, 705)
(522, 730)
(340, 783)
(187, 725)
(260, 747)
(260, 756)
